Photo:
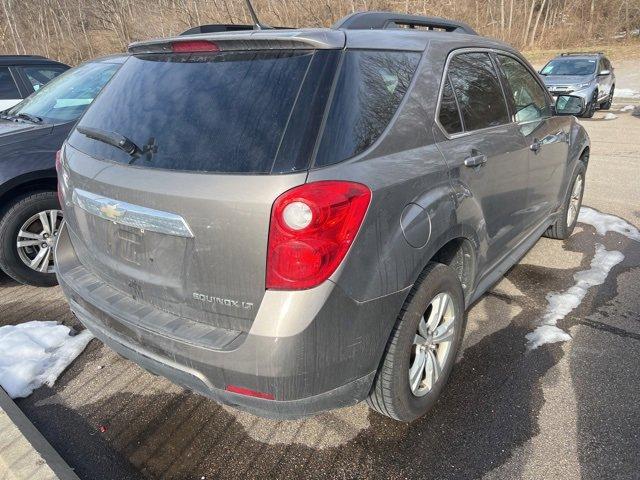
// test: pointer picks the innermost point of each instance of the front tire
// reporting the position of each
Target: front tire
(422, 348)
(28, 231)
(592, 106)
(607, 104)
(563, 227)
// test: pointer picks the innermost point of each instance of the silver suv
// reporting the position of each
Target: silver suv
(290, 221)
(586, 75)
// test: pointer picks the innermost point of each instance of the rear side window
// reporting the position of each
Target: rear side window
(8, 89)
(478, 91)
(369, 89)
(449, 114)
(222, 112)
(40, 75)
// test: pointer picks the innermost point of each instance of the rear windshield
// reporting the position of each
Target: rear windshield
(247, 111)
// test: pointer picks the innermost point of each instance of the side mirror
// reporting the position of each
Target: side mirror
(604, 72)
(569, 105)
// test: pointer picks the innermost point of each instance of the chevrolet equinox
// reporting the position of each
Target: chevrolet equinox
(290, 221)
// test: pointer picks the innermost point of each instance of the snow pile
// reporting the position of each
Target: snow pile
(603, 223)
(626, 108)
(561, 303)
(35, 353)
(610, 116)
(626, 93)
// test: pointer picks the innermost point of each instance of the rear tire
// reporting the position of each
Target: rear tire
(11, 261)
(563, 227)
(607, 104)
(438, 289)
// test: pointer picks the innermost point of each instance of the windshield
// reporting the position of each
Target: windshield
(67, 96)
(570, 66)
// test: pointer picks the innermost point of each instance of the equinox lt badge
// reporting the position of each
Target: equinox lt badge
(227, 302)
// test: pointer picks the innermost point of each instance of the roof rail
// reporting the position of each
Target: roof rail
(568, 54)
(223, 27)
(384, 20)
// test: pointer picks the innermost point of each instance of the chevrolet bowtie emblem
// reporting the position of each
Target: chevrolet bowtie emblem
(112, 212)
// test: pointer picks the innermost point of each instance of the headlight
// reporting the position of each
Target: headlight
(580, 86)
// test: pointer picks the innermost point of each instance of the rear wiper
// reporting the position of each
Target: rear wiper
(112, 138)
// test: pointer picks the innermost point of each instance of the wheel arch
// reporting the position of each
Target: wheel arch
(27, 183)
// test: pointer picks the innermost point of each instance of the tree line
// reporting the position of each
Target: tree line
(75, 30)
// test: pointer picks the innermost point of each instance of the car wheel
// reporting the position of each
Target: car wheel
(592, 106)
(422, 348)
(28, 231)
(607, 105)
(565, 223)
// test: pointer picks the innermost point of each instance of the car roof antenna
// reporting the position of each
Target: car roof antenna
(256, 23)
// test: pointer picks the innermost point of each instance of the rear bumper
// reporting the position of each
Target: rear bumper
(331, 363)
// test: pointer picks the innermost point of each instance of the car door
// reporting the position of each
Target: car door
(485, 153)
(9, 92)
(546, 135)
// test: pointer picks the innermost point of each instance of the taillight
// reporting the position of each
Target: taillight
(59, 172)
(312, 228)
(193, 46)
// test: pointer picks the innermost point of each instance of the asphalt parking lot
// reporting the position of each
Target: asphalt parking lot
(566, 410)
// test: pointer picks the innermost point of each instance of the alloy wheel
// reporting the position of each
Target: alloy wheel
(36, 240)
(432, 344)
(575, 200)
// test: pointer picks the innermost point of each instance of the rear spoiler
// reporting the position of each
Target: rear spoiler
(271, 39)
(225, 27)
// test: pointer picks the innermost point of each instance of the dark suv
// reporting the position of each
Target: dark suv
(30, 135)
(290, 221)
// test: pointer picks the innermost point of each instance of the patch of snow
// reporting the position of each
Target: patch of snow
(626, 93)
(610, 116)
(626, 108)
(604, 222)
(35, 353)
(562, 303)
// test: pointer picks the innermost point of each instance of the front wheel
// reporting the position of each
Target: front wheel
(28, 232)
(591, 106)
(422, 348)
(607, 104)
(563, 227)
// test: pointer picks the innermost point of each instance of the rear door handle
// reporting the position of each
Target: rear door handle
(475, 161)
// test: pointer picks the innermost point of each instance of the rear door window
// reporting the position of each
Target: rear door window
(478, 91)
(207, 112)
(369, 89)
(8, 88)
(39, 76)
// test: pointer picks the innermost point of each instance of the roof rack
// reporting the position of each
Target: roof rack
(385, 20)
(568, 54)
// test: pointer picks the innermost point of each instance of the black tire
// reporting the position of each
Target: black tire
(607, 104)
(18, 212)
(591, 106)
(391, 394)
(561, 229)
